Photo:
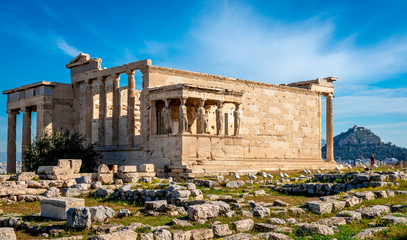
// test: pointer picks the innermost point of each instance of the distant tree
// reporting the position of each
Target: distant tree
(47, 149)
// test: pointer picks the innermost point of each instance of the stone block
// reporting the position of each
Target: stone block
(79, 217)
(203, 211)
(319, 207)
(57, 207)
(105, 178)
(244, 225)
(127, 169)
(147, 168)
(7, 233)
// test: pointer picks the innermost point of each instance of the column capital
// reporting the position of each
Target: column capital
(12, 112)
(130, 72)
(25, 109)
(328, 95)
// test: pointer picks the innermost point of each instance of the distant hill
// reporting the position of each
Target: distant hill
(359, 142)
(323, 142)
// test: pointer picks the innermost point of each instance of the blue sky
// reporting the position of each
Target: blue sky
(363, 43)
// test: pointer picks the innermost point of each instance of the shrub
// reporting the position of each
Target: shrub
(47, 149)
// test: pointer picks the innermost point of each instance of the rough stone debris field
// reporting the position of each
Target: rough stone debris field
(255, 206)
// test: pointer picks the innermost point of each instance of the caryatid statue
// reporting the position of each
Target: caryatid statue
(202, 117)
(183, 116)
(167, 117)
(236, 115)
(219, 118)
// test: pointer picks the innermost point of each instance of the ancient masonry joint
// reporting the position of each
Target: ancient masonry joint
(185, 123)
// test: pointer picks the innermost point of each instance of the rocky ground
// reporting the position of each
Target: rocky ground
(262, 206)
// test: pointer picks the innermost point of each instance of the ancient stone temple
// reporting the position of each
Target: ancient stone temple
(185, 123)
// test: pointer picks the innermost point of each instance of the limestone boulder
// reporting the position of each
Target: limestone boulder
(369, 233)
(350, 216)
(147, 168)
(366, 195)
(24, 176)
(223, 206)
(96, 185)
(146, 236)
(319, 207)
(79, 218)
(394, 220)
(181, 235)
(261, 212)
(123, 213)
(57, 207)
(244, 225)
(221, 230)
(277, 221)
(154, 205)
(280, 203)
(203, 211)
(7, 233)
(375, 211)
(103, 192)
(52, 192)
(314, 228)
(181, 223)
(101, 213)
(162, 234)
(273, 236)
(240, 236)
(71, 192)
(123, 235)
(296, 210)
(83, 179)
(202, 234)
(352, 201)
(332, 221)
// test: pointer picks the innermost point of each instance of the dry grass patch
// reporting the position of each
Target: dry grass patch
(22, 208)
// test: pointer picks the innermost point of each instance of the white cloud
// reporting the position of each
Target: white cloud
(236, 41)
(66, 48)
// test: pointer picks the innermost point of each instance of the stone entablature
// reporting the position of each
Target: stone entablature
(191, 122)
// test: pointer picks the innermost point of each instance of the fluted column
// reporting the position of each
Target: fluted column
(75, 87)
(131, 99)
(102, 111)
(329, 129)
(88, 110)
(26, 137)
(11, 142)
(116, 109)
(44, 118)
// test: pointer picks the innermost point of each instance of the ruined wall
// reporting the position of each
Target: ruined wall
(278, 122)
(62, 107)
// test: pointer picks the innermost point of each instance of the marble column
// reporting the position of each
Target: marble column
(11, 142)
(75, 119)
(329, 129)
(44, 119)
(116, 110)
(26, 137)
(131, 99)
(88, 110)
(102, 111)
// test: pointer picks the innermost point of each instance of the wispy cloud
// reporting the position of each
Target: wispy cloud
(66, 48)
(50, 12)
(46, 38)
(235, 40)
